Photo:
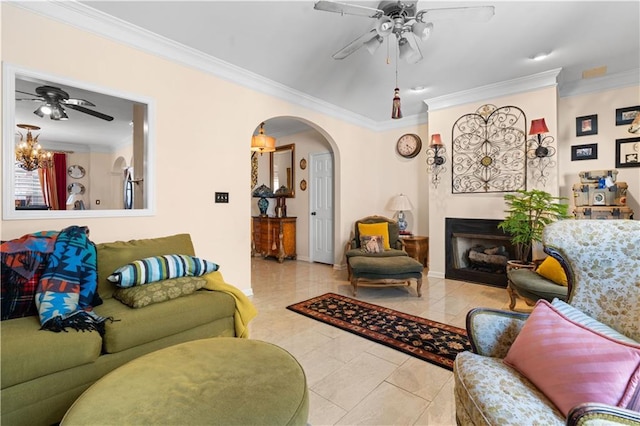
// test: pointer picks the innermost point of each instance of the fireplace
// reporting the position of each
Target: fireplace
(477, 251)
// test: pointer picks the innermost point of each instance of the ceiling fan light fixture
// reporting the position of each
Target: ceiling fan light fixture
(384, 26)
(58, 113)
(422, 30)
(373, 44)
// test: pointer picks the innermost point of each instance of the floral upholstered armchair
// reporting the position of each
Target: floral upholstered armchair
(565, 363)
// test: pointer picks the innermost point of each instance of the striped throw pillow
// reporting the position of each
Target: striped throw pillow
(158, 268)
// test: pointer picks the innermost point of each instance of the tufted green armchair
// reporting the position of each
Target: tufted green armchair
(602, 261)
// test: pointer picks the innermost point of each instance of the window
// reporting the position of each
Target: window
(28, 190)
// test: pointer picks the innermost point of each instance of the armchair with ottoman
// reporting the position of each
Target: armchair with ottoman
(565, 363)
(43, 372)
(376, 256)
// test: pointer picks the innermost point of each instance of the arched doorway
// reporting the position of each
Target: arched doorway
(313, 171)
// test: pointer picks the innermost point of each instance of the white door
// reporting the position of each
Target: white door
(321, 207)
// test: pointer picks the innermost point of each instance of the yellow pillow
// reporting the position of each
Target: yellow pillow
(552, 270)
(371, 229)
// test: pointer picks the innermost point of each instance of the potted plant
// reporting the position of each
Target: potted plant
(527, 215)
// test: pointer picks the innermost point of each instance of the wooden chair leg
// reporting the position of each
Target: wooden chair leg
(419, 289)
(354, 284)
(512, 296)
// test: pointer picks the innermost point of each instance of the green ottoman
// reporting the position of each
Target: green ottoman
(219, 381)
(385, 271)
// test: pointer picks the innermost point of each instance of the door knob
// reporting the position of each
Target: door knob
(313, 213)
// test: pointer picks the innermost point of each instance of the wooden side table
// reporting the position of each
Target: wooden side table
(418, 248)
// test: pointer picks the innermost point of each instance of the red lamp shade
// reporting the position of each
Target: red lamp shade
(436, 140)
(538, 126)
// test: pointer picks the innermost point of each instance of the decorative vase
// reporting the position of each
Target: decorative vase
(263, 205)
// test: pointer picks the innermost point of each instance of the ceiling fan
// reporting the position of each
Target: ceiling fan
(402, 19)
(53, 99)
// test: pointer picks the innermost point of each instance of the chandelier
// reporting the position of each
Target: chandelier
(29, 154)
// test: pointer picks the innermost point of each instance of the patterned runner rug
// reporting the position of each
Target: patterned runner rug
(428, 340)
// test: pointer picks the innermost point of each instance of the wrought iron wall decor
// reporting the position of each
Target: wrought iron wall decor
(436, 157)
(540, 151)
(489, 150)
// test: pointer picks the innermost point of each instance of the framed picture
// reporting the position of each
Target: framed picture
(626, 115)
(587, 125)
(628, 152)
(584, 152)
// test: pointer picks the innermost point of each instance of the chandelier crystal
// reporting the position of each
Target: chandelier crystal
(29, 154)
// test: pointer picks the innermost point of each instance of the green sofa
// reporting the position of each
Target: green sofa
(44, 372)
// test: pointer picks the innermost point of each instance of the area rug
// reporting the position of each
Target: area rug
(428, 340)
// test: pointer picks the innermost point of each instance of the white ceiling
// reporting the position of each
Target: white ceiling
(291, 43)
(288, 45)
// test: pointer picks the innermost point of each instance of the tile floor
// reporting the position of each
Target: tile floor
(351, 379)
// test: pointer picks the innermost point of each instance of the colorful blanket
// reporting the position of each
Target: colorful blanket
(23, 262)
(65, 292)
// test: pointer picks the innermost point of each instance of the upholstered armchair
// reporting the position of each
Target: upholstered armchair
(505, 379)
(376, 256)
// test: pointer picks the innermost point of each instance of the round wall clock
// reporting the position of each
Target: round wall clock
(409, 145)
(76, 171)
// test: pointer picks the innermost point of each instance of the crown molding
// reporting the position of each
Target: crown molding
(496, 90)
(600, 84)
(94, 21)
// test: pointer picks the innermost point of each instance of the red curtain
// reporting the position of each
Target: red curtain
(53, 181)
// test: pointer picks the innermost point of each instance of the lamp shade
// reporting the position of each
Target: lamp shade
(538, 126)
(400, 203)
(263, 191)
(436, 140)
(263, 143)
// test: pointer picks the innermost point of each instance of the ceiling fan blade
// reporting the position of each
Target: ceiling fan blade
(80, 102)
(27, 93)
(347, 9)
(90, 112)
(355, 45)
(467, 14)
(416, 56)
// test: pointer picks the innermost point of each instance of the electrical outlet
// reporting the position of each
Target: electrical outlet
(222, 197)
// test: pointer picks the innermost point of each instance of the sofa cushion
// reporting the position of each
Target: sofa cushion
(533, 286)
(572, 364)
(492, 393)
(32, 353)
(161, 291)
(551, 269)
(158, 268)
(134, 327)
(380, 228)
(115, 254)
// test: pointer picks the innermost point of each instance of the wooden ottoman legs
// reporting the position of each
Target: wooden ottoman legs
(354, 284)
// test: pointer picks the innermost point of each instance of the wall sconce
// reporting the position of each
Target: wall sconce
(436, 158)
(540, 150)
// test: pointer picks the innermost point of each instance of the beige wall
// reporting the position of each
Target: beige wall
(603, 104)
(443, 204)
(214, 120)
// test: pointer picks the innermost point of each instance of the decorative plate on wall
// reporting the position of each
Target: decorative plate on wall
(76, 171)
(303, 164)
(303, 185)
(75, 188)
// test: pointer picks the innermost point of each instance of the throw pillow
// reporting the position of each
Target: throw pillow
(160, 268)
(145, 295)
(372, 243)
(381, 228)
(572, 364)
(551, 269)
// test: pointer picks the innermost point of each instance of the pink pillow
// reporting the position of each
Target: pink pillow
(572, 364)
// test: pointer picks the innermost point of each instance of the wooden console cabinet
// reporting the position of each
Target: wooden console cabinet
(275, 237)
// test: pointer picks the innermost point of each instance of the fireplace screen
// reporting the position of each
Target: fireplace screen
(489, 150)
